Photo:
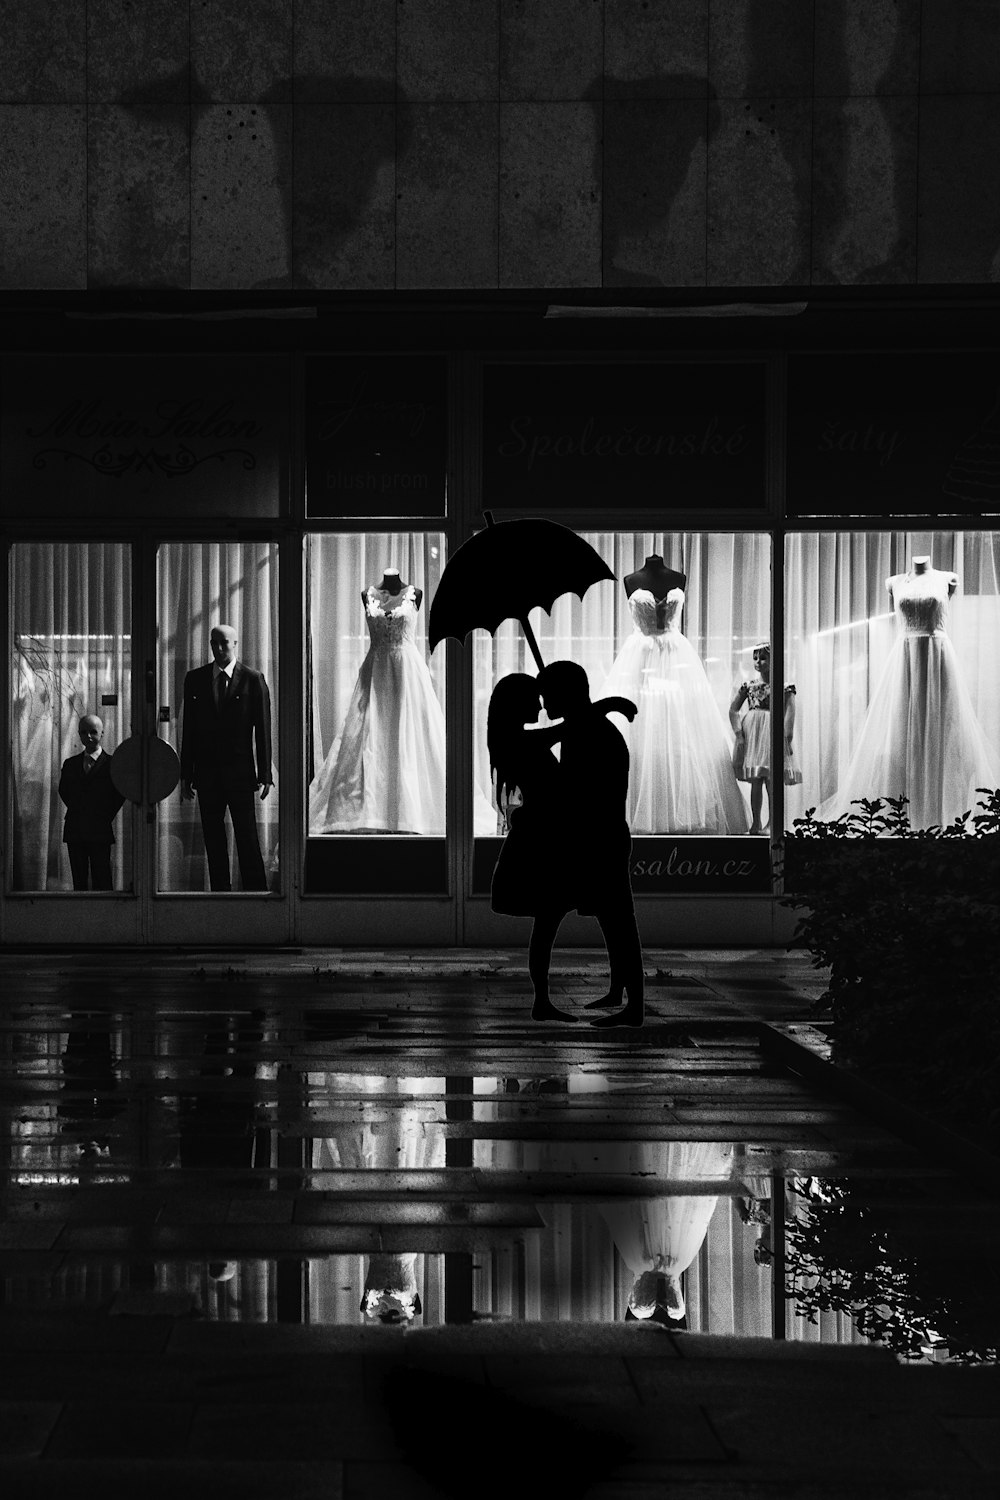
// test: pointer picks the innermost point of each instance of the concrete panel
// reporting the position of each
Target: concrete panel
(345, 52)
(240, 195)
(448, 49)
(343, 195)
(864, 224)
(242, 49)
(137, 52)
(655, 185)
(758, 193)
(867, 47)
(43, 205)
(761, 50)
(655, 51)
(550, 198)
(139, 196)
(958, 226)
(43, 57)
(447, 197)
(552, 51)
(959, 47)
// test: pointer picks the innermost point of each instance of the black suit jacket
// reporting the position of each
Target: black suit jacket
(92, 801)
(214, 743)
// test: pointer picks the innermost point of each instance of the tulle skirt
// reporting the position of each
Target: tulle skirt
(756, 761)
(681, 777)
(920, 738)
(386, 772)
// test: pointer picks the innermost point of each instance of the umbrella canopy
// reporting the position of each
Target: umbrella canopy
(508, 569)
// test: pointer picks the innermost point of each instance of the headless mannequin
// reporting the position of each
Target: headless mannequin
(918, 567)
(658, 579)
(655, 576)
(394, 585)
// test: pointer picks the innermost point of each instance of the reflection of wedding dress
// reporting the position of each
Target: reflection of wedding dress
(665, 1234)
(920, 738)
(681, 778)
(387, 771)
(402, 1133)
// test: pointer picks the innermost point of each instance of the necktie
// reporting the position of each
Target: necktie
(223, 690)
(88, 765)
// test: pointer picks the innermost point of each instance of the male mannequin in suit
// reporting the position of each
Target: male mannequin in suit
(227, 715)
(92, 804)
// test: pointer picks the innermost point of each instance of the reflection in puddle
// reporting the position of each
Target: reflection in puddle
(217, 1166)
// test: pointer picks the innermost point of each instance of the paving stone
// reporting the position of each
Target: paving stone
(25, 1427)
(978, 1437)
(314, 1431)
(165, 1479)
(127, 1429)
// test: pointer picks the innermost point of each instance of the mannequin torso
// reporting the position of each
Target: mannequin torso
(655, 576)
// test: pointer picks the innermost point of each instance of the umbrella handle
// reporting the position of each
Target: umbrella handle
(529, 636)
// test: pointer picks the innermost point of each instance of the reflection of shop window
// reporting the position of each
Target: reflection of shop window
(676, 635)
(891, 639)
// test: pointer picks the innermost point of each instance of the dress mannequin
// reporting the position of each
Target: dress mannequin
(681, 778)
(752, 751)
(920, 738)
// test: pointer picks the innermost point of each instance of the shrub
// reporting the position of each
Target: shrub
(908, 921)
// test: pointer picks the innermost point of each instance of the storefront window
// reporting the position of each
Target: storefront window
(217, 832)
(676, 634)
(374, 695)
(891, 646)
(71, 704)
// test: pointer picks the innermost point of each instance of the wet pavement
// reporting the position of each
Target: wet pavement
(295, 1207)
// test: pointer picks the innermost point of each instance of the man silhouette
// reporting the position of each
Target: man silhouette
(227, 714)
(594, 764)
(92, 804)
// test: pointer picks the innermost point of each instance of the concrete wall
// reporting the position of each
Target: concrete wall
(382, 144)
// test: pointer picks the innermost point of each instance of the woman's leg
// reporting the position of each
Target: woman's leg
(540, 944)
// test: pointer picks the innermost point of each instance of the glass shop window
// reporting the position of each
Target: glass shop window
(891, 645)
(676, 633)
(71, 667)
(374, 694)
(218, 831)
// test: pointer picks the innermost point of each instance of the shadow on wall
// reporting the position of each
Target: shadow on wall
(321, 203)
(651, 159)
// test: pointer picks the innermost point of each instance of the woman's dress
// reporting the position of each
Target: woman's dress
(681, 777)
(531, 871)
(921, 738)
(756, 724)
(386, 772)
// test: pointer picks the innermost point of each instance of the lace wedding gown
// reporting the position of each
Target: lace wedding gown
(681, 777)
(386, 772)
(920, 738)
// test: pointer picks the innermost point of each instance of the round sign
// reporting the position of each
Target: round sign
(163, 768)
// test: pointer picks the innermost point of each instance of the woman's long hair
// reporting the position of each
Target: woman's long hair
(514, 703)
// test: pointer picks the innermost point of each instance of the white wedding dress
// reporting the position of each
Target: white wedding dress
(681, 777)
(921, 738)
(386, 772)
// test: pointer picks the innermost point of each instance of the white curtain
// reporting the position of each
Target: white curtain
(726, 611)
(339, 568)
(72, 648)
(839, 630)
(201, 584)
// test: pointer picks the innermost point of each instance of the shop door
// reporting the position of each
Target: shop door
(106, 839)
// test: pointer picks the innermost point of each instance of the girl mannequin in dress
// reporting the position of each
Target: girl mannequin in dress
(752, 750)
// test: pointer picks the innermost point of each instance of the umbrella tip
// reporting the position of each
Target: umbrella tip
(489, 517)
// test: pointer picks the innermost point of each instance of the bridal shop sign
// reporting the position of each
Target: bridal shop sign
(894, 434)
(673, 435)
(667, 865)
(140, 437)
(376, 436)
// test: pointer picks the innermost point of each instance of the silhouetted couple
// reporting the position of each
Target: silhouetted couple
(568, 843)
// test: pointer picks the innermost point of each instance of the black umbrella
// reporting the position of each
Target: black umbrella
(505, 571)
